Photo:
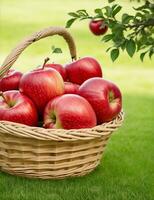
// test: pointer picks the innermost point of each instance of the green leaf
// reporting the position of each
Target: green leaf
(126, 18)
(117, 27)
(123, 45)
(98, 11)
(116, 10)
(108, 37)
(146, 11)
(108, 11)
(151, 53)
(108, 49)
(110, 1)
(111, 23)
(56, 50)
(130, 47)
(82, 12)
(114, 6)
(72, 14)
(83, 18)
(139, 15)
(70, 22)
(142, 56)
(114, 54)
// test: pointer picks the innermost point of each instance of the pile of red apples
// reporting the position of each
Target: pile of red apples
(53, 96)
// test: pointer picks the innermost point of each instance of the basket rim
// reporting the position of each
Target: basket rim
(25, 131)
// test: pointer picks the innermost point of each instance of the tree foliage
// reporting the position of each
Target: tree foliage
(130, 33)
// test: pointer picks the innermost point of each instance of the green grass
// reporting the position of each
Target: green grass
(127, 168)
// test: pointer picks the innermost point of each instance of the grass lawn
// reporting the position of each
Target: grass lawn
(127, 168)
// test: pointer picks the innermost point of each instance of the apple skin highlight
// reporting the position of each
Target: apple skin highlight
(104, 96)
(41, 86)
(10, 81)
(69, 111)
(16, 107)
(83, 69)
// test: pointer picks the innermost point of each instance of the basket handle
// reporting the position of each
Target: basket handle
(15, 53)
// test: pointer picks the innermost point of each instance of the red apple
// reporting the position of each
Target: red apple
(104, 96)
(71, 88)
(10, 81)
(59, 68)
(16, 107)
(83, 69)
(41, 86)
(69, 111)
(98, 27)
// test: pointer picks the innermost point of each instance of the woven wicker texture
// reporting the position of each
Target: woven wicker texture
(50, 153)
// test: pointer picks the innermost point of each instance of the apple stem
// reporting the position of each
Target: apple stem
(45, 61)
(2, 95)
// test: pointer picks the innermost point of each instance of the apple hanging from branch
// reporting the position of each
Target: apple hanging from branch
(132, 33)
(98, 27)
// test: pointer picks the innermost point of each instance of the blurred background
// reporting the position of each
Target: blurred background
(19, 19)
(132, 146)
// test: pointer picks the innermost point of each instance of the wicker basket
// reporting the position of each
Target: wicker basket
(50, 153)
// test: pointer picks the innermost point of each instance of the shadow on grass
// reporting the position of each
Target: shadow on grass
(124, 173)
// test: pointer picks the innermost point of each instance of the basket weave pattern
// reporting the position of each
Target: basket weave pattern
(50, 153)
